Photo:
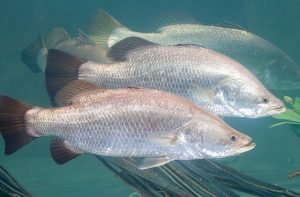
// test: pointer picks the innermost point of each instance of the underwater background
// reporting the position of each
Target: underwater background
(278, 149)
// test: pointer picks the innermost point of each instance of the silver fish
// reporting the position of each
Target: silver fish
(270, 64)
(132, 122)
(35, 55)
(210, 79)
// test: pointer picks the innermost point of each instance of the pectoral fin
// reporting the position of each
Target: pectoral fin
(203, 93)
(153, 162)
(165, 140)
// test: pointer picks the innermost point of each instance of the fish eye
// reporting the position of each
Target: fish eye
(233, 138)
(265, 100)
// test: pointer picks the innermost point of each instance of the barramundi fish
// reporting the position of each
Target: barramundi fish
(130, 122)
(210, 79)
(270, 64)
(35, 55)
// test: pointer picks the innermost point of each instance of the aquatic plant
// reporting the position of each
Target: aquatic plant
(292, 115)
(9, 186)
(292, 118)
(190, 178)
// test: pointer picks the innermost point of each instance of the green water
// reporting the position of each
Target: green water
(278, 149)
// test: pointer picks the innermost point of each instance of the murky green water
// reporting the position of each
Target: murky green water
(278, 149)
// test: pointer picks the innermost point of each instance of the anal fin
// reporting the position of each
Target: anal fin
(152, 162)
(62, 151)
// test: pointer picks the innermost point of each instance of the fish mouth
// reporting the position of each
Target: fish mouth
(247, 147)
(277, 110)
(280, 109)
(270, 111)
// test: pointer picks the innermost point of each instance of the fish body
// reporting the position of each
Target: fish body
(132, 122)
(35, 55)
(212, 80)
(269, 63)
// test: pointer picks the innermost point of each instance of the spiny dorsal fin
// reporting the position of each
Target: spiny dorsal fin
(62, 151)
(190, 45)
(56, 36)
(231, 25)
(175, 17)
(102, 26)
(120, 50)
(68, 93)
(83, 38)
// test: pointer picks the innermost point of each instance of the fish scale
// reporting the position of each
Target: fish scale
(76, 124)
(128, 122)
(269, 63)
(215, 82)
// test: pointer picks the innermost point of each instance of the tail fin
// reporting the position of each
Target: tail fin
(102, 27)
(12, 124)
(34, 55)
(61, 69)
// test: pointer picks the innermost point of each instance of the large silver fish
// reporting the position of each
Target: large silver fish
(270, 64)
(210, 79)
(132, 122)
(35, 55)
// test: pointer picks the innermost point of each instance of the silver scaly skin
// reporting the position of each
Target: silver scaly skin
(274, 68)
(137, 122)
(215, 82)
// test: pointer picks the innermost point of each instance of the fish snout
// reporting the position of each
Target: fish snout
(245, 144)
(277, 108)
(272, 108)
(247, 147)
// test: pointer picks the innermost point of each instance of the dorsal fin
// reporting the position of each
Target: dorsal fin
(173, 18)
(190, 45)
(231, 25)
(195, 46)
(120, 50)
(102, 26)
(83, 38)
(56, 36)
(68, 93)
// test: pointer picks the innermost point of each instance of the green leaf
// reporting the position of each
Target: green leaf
(297, 105)
(289, 115)
(282, 123)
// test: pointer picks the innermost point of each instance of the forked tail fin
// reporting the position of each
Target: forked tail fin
(34, 55)
(12, 124)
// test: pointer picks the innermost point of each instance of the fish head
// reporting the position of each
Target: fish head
(251, 100)
(213, 138)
